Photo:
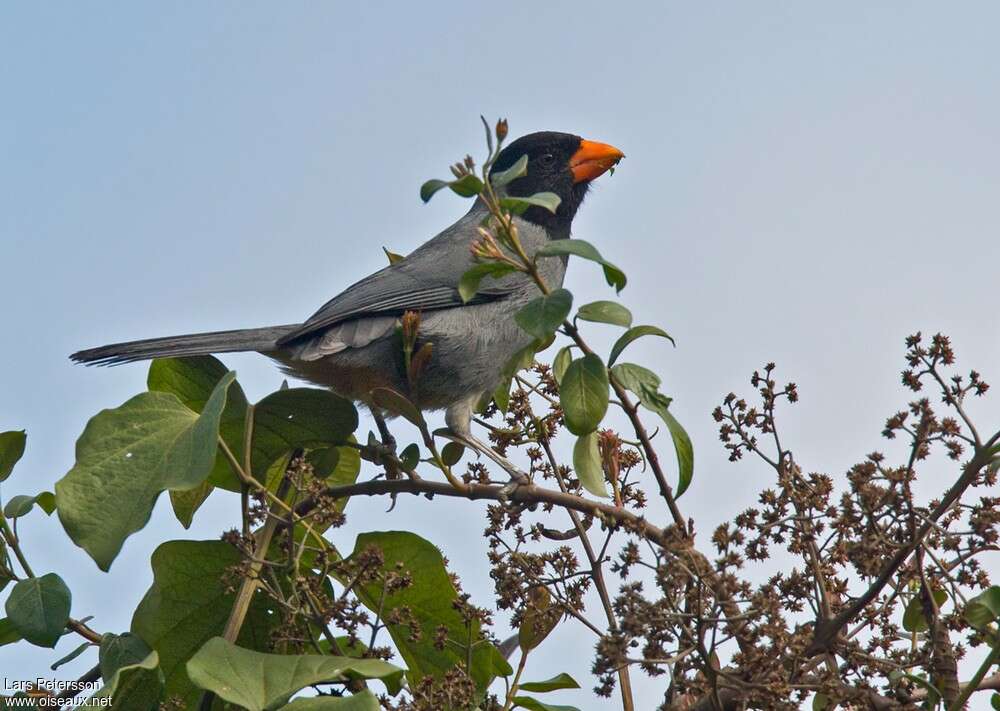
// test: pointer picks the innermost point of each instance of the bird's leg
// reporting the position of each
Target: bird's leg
(383, 430)
(458, 417)
(388, 444)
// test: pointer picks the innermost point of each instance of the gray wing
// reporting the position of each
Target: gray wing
(425, 280)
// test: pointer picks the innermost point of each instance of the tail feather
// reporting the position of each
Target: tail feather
(250, 339)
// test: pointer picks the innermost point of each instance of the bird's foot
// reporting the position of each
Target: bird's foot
(518, 477)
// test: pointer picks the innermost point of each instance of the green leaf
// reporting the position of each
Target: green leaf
(354, 651)
(533, 704)
(21, 505)
(521, 360)
(820, 702)
(430, 187)
(933, 693)
(587, 463)
(8, 633)
(995, 701)
(984, 608)
(120, 650)
(397, 404)
(363, 701)
(133, 453)
(392, 256)
(501, 395)
(538, 621)
(192, 380)
(38, 608)
(134, 687)
(410, 456)
(336, 466)
(259, 682)
(635, 378)
(561, 362)
(186, 502)
(659, 403)
(188, 604)
(580, 248)
(46, 502)
(11, 449)
(504, 177)
(644, 383)
(468, 285)
(467, 186)
(631, 335)
(605, 312)
(913, 616)
(542, 316)
(452, 453)
(517, 205)
(583, 394)
(71, 656)
(298, 418)
(560, 681)
(430, 599)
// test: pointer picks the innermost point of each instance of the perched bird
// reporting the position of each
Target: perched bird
(349, 345)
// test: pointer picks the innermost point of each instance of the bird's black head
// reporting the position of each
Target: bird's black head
(559, 163)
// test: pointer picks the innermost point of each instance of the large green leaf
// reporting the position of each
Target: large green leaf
(605, 312)
(587, 463)
(8, 633)
(580, 248)
(913, 616)
(984, 608)
(583, 393)
(430, 599)
(126, 458)
(363, 701)
(11, 449)
(298, 418)
(344, 471)
(192, 380)
(542, 316)
(137, 686)
(38, 608)
(189, 603)
(631, 335)
(262, 682)
(120, 650)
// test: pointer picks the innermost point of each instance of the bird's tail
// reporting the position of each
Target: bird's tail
(250, 339)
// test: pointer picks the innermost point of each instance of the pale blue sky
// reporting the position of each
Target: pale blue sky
(804, 183)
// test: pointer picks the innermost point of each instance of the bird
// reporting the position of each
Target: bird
(350, 344)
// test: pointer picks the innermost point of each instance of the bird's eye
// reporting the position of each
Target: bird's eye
(547, 160)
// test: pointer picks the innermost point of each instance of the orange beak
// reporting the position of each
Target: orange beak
(593, 159)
